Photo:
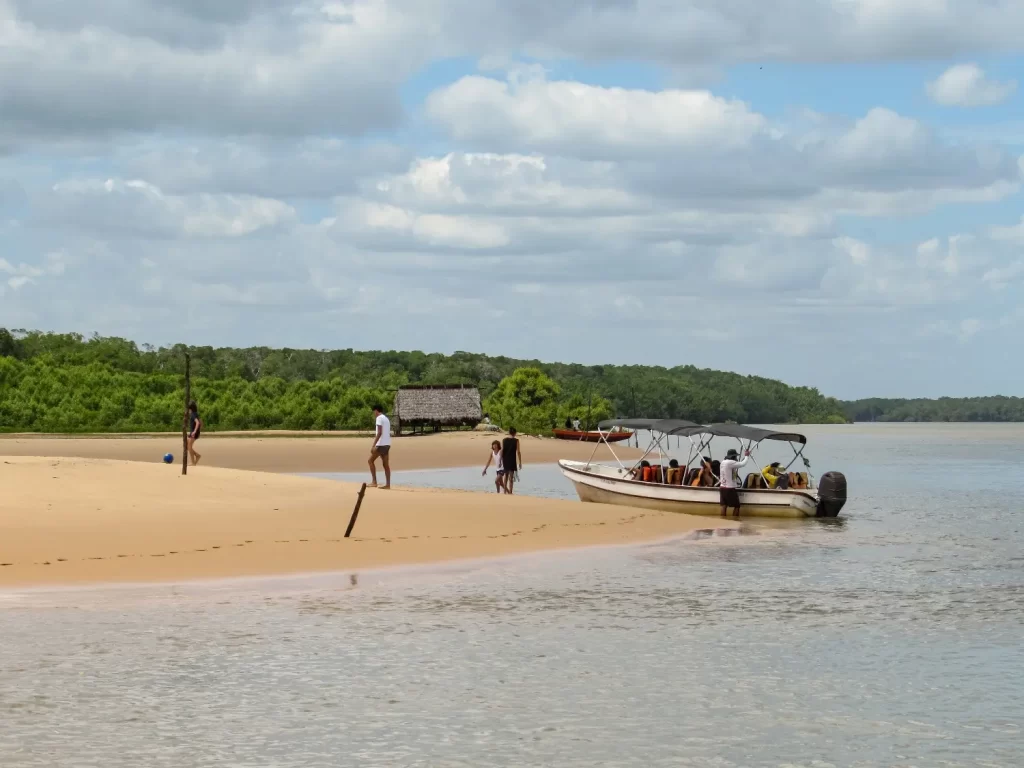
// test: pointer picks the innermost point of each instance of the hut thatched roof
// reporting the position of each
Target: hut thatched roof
(438, 405)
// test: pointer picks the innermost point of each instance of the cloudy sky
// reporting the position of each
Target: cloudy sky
(822, 191)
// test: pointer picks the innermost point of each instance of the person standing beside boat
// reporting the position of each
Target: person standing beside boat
(728, 491)
(511, 459)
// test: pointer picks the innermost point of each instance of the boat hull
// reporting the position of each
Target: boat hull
(603, 488)
(591, 437)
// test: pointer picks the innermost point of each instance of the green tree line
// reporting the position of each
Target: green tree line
(53, 382)
(996, 408)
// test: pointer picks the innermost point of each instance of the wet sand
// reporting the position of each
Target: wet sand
(284, 452)
(74, 521)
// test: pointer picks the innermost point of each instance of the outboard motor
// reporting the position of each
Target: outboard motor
(831, 494)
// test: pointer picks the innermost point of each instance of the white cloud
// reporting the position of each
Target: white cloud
(563, 115)
(966, 85)
(1013, 234)
(138, 208)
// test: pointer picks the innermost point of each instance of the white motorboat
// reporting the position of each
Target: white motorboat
(796, 495)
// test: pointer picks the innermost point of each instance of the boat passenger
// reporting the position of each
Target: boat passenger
(705, 477)
(638, 472)
(568, 423)
(576, 424)
(774, 476)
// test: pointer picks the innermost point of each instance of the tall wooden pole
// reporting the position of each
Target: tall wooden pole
(184, 423)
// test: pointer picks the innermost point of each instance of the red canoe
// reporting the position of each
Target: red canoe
(591, 437)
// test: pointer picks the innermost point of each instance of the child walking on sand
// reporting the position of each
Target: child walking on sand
(499, 471)
(195, 427)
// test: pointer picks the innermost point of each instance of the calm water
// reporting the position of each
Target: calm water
(890, 639)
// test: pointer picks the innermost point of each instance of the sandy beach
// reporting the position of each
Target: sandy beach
(76, 521)
(286, 452)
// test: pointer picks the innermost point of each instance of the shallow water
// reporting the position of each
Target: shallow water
(892, 638)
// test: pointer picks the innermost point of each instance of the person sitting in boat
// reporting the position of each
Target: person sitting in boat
(705, 477)
(775, 477)
(638, 471)
(576, 424)
(568, 423)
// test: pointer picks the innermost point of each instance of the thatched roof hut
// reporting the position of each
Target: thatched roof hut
(442, 405)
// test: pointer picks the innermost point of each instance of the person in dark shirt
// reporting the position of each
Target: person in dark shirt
(511, 459)
(195, 428)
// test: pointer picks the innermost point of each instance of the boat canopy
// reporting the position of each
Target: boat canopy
(665, 426)
(756, 434)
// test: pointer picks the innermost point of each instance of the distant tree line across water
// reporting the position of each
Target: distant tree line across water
(995, 408)
(53, 382)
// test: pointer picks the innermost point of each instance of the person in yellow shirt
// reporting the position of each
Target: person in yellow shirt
(773, 474)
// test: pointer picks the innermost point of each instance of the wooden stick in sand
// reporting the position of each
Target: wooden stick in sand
(184, 424)
(355, 512)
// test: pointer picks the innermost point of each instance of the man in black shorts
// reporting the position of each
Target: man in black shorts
(511, 458)
(381, 447)
(728, 492)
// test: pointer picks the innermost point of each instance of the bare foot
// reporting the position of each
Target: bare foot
(386, 488)
(372, 485)
(196, 459)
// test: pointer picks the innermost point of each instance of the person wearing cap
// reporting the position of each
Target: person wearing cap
(728, 492)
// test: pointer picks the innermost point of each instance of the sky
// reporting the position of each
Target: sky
(826, 192)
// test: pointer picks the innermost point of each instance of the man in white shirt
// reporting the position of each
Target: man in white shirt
(381, 447)
(728, 492)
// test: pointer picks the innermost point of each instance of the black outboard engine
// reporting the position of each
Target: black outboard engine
(831, 494)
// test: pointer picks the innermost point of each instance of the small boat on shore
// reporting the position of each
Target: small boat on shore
(653, 483)
(591, 436)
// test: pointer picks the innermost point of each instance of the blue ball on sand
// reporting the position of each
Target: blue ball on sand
(168, 458)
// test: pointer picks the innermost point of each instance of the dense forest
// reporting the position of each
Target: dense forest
(995, 408)
(67, 383)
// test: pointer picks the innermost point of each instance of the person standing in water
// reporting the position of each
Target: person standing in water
(728, 492)
(381, 448)
(195, 428)
(511, 459)
(499, 471)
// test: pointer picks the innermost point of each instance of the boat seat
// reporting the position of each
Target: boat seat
(755, 480)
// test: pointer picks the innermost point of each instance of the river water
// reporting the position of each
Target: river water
(890, 638)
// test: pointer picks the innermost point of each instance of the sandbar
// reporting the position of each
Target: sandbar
(74, 521)
(285, 452)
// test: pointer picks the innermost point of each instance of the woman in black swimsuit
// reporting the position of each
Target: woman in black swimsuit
(195, 428)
